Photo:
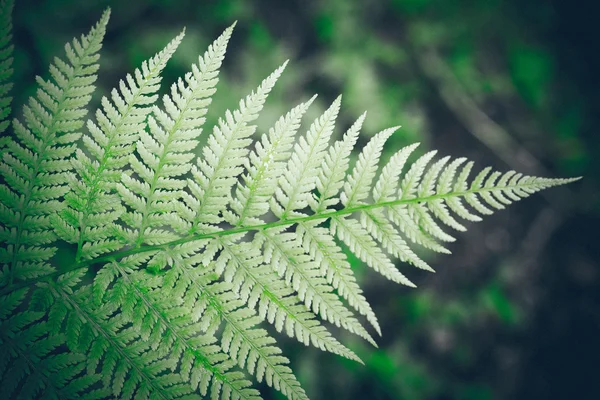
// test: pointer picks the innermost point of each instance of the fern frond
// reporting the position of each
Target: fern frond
(126, 362)
(186, 270)
(319, 244)
(6, 69)
(259, 286)
(35, 166)
(374, 222)
(284, 252)
(358, 185)
(332, 174)
(357, 238)
(266, 164)
(254, 349)
(187, 345)
(385, 190)
(296, 184)
(214, 179)
(223, 157)
(165, 153)
(92, 204)
(215, 302)
(34, 363)
(387, 184)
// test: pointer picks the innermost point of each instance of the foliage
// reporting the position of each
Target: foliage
(187, 255)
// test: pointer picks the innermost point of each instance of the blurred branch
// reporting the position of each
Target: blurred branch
(480, 125)
(546, 222)
(533, 245)
(525, 279)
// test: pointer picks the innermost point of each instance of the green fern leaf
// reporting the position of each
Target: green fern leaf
(178, 261)
(267, 164)
(34, 363)
(248, 346)
(296, 184)
(35, 166)
(259, 286)
(6, 70)
(165, 152)
(331, 176)
(222, 159)
(334, 266)
(92, 204)
(186, 346)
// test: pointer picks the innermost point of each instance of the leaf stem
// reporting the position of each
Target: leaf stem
(290, 221)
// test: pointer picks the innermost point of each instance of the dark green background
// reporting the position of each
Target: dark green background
(515, 311)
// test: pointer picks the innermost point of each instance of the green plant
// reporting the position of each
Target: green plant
(175, 261)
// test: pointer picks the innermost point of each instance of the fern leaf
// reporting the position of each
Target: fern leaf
(332, 174)
(201, 365)
(34, 363)
(6, 62)
(387, 184)
(287, 257)
(35, 165)
(409, 226)
(299, 180)
(255, 350)
(259, 286)
(185, 271)
(384, 191)
(360, 242)
(319, 244)
(127, 362)
(165, 152)
(425, 189)
(251, 348)
(223, 157)
(374, 222)
(92, 203)
(267, 164)
(358, 185)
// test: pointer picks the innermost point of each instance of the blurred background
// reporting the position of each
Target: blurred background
(514, 312)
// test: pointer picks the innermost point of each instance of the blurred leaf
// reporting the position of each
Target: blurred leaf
(260, 37)
(496, 300)
(531, 71)
(325, 27)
